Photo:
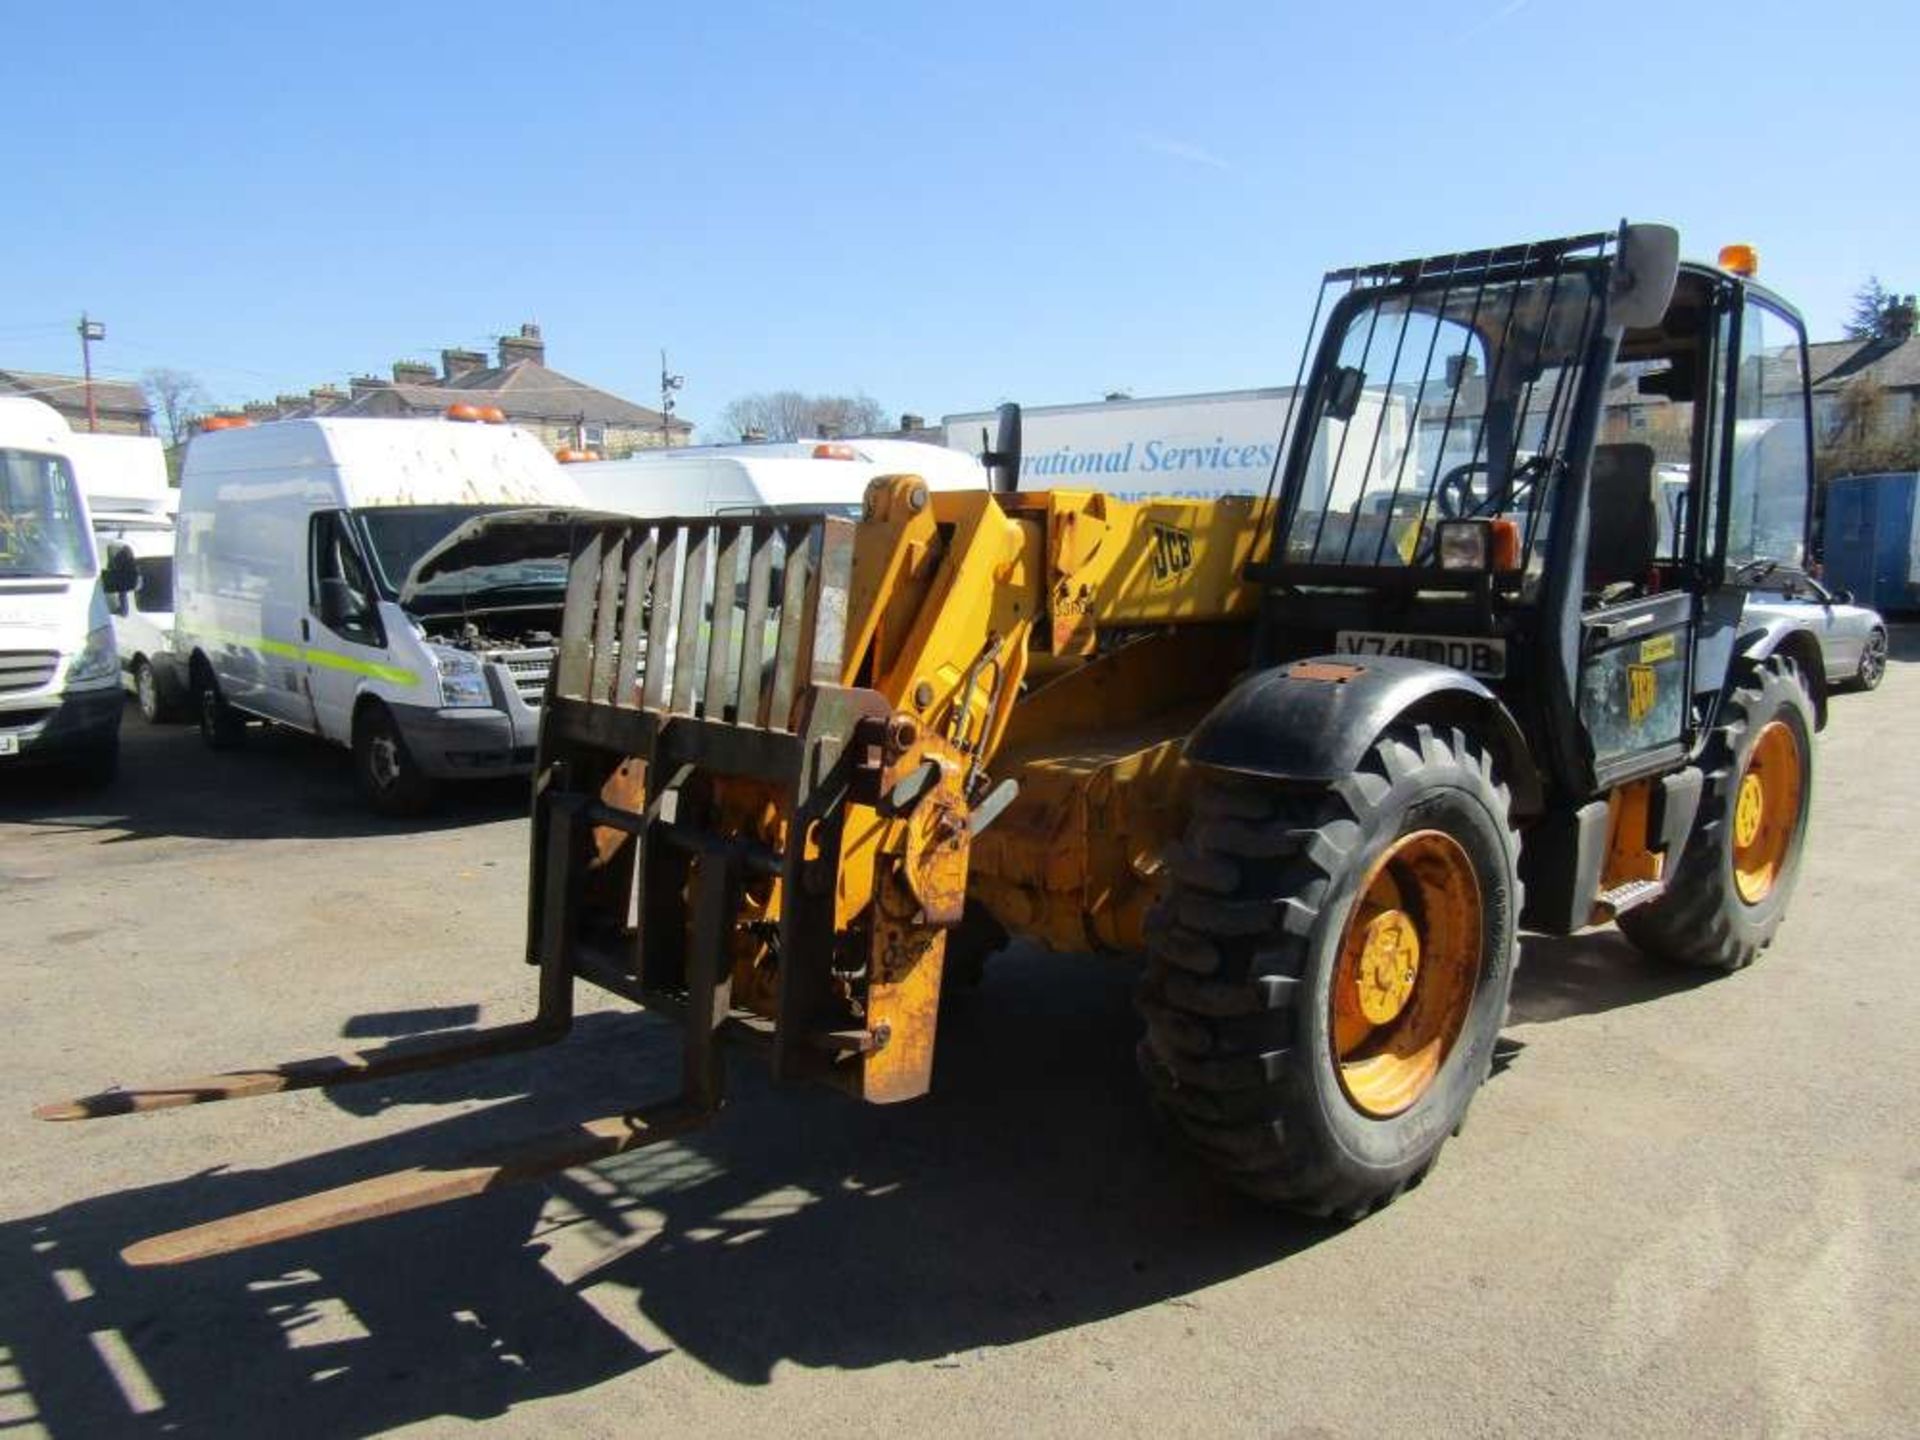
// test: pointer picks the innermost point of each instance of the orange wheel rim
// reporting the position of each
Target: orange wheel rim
(1408, 965)
(1766, 812)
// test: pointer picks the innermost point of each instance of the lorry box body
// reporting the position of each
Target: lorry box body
(1872, 539)
(59, 675)
(1189, 447)
(277, 518)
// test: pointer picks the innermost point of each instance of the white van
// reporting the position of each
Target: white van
(59, 675)
(767, 478)
(124, 478)
(298, 602)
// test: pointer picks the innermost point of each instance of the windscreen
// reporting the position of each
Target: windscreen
(42, 532)
(397, 536)
(1444, 399)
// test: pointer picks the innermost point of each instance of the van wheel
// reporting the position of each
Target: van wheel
(221, 726)
(157, 704)
(391, 780)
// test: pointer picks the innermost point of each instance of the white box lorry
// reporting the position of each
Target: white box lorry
(59, 674)
(298, 601)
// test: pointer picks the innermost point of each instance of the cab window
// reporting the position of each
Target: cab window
(1770, 474)
(333, 556)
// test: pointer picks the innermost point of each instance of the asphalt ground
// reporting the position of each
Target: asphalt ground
(1679, 1208)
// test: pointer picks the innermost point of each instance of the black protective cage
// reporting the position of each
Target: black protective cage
(1344, 293)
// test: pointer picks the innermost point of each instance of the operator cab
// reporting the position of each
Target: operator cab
(1555, 466)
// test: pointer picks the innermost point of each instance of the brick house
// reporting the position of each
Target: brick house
(119, 406)
(566, 413)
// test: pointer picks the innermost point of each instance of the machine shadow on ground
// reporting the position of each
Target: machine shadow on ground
(275, 785)
(1564, 976)
(1029, 1194)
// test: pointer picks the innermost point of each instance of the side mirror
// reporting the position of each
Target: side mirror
(122, 575)
(337, 607)
(1845, 597)
(1644, 274)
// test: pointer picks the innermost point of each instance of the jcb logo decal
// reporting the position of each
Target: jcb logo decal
(1643, 688)
(1172, 554)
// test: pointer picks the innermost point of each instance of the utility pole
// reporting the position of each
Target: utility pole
(669, 382)
(90, 331)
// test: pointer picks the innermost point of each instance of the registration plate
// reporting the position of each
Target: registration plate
(1485, 658)
(9, 744)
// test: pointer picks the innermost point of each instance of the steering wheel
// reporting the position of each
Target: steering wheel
(1454, 494)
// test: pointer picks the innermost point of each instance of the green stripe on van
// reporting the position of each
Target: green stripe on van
(325, 659)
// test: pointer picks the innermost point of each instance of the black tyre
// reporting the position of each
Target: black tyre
(1729, 893)
(390, 779)
(1873, 662)
(1329, 970)
(158, 702)
(221, 726)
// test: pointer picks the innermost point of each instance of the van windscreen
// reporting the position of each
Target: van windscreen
(397, 536)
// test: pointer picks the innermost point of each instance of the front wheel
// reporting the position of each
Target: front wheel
(390, 778)
(1873, 662)
(1728, 894)
(1329, 971)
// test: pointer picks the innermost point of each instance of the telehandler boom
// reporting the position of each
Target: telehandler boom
(792, 771)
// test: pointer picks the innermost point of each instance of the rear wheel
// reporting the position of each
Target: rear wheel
(390, 778)
(221, 726)
(1330, 968)
(1729, 892)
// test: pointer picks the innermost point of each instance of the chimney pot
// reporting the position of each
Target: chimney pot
(527, 345)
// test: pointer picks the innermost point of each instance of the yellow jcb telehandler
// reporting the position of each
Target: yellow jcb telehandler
(1302, 750)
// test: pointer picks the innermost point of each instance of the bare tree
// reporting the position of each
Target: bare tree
(178, 399)
(790, 415)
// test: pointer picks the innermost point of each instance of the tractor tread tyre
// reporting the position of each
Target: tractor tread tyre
(1242, 949)
(1699, 919)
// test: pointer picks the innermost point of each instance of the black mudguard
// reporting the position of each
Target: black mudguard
(1313, 720)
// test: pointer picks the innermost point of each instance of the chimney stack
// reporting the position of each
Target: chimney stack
(1896, 322)
(325, 398)
(412, 372)
(362, 385)
(527, 345)
(455, 363)
(911, 422)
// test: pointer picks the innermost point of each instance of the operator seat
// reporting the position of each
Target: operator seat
(1623, 520)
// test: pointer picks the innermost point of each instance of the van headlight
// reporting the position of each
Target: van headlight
(463, 679)
(97, 660)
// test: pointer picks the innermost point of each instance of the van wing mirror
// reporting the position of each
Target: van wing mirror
(122, 575)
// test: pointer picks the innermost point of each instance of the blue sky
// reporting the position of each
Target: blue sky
(941, 208)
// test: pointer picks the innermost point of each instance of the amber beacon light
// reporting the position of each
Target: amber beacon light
(1740, 259)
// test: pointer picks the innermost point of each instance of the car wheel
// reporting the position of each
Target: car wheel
(221, 726)
(1873, 661)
